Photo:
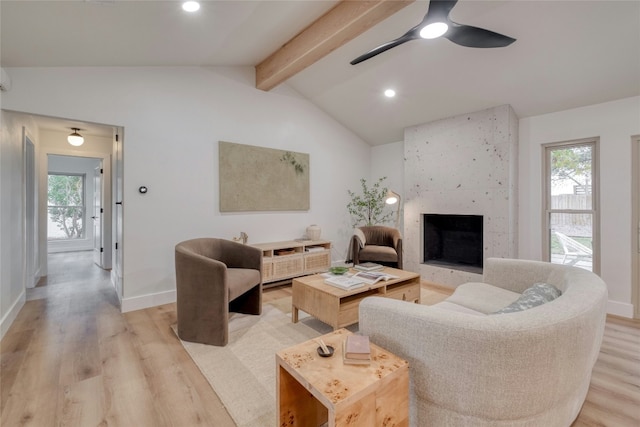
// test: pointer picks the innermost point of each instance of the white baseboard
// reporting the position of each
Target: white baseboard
(69, 246)
(32, 281)
(146, 301)
(622, 309)
(11, 315)
(114, 283)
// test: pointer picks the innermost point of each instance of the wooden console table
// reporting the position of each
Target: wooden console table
(293, 258)
(313, 390)
(338, 307)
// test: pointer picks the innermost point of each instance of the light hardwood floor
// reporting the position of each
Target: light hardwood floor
(71, 358)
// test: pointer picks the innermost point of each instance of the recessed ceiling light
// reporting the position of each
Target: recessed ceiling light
(389, 93)
(434, 30)
(190, 6)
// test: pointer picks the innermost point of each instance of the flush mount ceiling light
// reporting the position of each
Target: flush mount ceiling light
(75, 138)
(389, 93)
(190, 6)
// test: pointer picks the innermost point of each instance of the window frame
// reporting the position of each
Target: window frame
(547, 210)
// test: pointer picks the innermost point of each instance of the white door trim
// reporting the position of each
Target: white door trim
(30, 208)
(106, 194)
(635, 225)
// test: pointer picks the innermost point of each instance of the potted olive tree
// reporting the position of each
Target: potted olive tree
(368, 208)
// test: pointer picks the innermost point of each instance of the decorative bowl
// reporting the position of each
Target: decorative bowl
(323, 354)
(338, 270)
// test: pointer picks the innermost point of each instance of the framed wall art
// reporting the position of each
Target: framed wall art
(262, 179)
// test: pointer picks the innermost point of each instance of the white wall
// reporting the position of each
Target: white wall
(173, 118)
(12, 214)
(614, 122)
(388, 161)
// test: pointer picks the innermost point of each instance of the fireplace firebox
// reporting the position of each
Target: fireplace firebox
(453, 241)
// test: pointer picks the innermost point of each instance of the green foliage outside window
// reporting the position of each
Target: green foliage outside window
(65, 200)
(572, 163)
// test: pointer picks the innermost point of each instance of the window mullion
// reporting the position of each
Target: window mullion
(573, 211)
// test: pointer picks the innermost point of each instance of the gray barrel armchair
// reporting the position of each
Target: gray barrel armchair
(376, 243)
(215, 277)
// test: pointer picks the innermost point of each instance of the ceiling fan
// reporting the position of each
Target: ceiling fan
(436, 23)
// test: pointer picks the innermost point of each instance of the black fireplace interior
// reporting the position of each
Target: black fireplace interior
(453, 241)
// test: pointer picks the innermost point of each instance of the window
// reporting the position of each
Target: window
(66, 207)
(571, 204)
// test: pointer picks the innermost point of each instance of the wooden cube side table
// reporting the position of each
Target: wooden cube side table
(313, 390)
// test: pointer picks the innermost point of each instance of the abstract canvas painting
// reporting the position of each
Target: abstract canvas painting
(256, 178)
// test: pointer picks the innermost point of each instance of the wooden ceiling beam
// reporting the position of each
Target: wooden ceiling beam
(347, 20)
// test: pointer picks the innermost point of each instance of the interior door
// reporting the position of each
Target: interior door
(97, 216)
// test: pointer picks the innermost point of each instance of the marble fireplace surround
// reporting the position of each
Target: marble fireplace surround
(466, 165)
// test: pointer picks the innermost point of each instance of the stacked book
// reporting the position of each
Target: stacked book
(368, 266)
(357, 350)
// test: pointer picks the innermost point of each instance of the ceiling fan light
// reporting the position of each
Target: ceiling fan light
(190, 6)
(75, 138)
(433, 30)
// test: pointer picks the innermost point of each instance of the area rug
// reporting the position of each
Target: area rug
(243, 373)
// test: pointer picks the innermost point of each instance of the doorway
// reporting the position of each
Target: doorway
(76, 196)
(71, 207)
(93, 245)
(44, 136)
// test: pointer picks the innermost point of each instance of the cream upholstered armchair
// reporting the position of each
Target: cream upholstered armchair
(470, 366)
(215, 277)
(377, 243)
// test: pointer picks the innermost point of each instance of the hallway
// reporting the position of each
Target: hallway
(66, 268)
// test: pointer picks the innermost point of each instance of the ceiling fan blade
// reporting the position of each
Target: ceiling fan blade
(439, 10)
(466, 35)
(408, 36)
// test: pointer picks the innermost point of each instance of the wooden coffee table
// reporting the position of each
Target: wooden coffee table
(339, 308)
(313, 390)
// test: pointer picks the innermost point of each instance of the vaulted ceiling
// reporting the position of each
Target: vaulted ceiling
(567, 54)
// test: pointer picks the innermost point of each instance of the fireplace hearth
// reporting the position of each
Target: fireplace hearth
(453, 241)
